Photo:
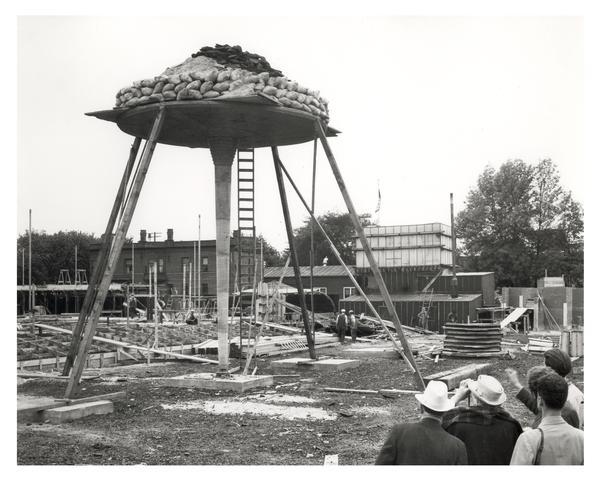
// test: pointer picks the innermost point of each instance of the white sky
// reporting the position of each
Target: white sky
(424, 103)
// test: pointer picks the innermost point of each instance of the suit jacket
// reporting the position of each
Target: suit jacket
(422, 443)
(489, 433)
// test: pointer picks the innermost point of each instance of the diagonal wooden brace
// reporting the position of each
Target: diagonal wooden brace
(368, 252)
(115, 251)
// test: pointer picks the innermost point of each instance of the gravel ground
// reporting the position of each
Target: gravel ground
(293, 422)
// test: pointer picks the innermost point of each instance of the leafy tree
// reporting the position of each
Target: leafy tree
(520, 222)
(271, 256)
(52, 252)
(341, 231)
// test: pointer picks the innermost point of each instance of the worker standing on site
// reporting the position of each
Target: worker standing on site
(488, 431)
(340, 325)
(554, 442)
(353, 325)
(425, 442)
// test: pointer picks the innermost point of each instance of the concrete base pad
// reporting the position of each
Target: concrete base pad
(30, 408)
(209, 381)
(335, 364)
(80, 410)
(374, 352)
(291, 362)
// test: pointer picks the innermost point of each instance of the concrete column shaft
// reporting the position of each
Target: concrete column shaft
(223, 152)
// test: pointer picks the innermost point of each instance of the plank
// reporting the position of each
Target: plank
(349, 390)
(471, 355)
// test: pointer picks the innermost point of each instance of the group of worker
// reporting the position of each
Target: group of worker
(344, 321)
(484, 433)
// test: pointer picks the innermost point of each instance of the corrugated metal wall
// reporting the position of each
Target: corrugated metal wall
(408, 311)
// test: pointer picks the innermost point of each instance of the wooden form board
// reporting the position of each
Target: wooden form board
(452, 378)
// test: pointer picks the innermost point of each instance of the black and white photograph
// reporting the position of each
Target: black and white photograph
(272, 238)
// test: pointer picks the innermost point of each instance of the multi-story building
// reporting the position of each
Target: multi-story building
(172, 258)
(415, 262)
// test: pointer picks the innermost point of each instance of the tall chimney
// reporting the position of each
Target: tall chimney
(142, 236)
(169, 235)
(454, 280)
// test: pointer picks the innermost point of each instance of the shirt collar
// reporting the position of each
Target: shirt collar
(553, 420)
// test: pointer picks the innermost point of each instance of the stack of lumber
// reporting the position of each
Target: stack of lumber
(223, 71)
(452, 378)
(540, 344)
(281, 344)
(472, 340)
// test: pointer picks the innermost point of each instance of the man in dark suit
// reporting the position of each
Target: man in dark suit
(488, 431)
(425, 442)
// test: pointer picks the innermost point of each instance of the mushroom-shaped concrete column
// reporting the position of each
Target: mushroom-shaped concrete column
(223, 150)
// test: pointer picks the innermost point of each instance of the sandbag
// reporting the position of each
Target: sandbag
(205, 87)
(222, 86)
(269, 90)
(211, 94)
(194, 85)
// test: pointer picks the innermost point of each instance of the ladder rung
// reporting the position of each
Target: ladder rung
(245, 190)
(246, 170)
(245, 209)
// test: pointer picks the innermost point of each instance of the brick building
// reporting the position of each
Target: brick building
(171, 256)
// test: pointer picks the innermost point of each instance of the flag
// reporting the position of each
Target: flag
(378, 199)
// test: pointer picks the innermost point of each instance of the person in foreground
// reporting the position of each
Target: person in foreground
(554, 442)
(487, 430)
(424, 442)
(560, 362)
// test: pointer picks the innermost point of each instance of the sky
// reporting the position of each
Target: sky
(423, 103)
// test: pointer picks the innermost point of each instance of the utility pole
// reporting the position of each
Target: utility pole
(199, 262)
(75, 265)
(30, 292)
(454, 280)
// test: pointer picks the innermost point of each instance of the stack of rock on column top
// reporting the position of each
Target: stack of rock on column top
(223, 71)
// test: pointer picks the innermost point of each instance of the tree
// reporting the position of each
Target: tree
(50, 253)
(520, 222)
(341, 231)
(271, 256)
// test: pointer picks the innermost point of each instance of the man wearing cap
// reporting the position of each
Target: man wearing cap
(487, 430)
(554, 442)
(341, 325)
(424, 442)
(560, 362)
(353, 325)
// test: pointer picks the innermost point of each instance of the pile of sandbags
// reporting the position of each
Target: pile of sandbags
(204, 77)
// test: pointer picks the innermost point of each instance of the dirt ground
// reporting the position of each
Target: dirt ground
(293, 422)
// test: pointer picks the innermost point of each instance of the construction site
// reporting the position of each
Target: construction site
(167, 341)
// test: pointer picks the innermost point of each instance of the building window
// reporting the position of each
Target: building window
(160, 265)
(185, 261)
(128, 265)
(205, 264)
(348, 292)
(320, 290)
(204, 289)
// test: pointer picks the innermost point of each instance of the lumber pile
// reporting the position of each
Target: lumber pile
(452, 378)
(281, 344)
(472, 340)
(221, 72)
